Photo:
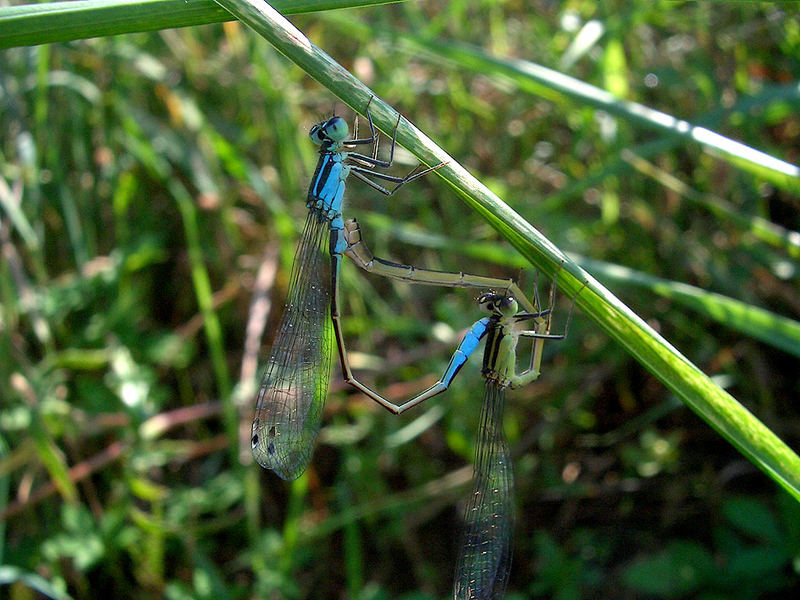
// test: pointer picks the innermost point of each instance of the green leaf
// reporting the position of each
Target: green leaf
(753, 518)
(761, 563)
(681, 568)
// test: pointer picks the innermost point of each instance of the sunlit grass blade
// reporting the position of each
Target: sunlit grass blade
(10, 204)
(547, 83)
(10, 575)
(750, 320)
(32, 24)
(716, 406)
(211, 323)
(777, 95)
(764, 230)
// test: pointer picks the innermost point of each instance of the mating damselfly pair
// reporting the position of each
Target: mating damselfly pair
(295, 385)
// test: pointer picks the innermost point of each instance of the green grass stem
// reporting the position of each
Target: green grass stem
(33, 24)
(727, 416)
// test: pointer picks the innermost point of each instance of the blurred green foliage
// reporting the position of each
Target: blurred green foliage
(143, 176)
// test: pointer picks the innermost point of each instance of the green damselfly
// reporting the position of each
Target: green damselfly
(484, 557)
(295, 384)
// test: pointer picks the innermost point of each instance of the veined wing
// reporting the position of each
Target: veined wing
(484, 558)
(295, 385)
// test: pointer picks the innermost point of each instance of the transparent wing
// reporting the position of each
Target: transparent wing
(484, 557)
(292, 395)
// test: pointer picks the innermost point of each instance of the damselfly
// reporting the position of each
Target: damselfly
(484, 557)
(293, 391)
(485, 551)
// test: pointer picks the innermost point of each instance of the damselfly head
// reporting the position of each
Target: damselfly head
(498, 304)
(332, 130)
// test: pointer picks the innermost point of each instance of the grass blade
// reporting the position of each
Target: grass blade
(10, 575)
(766, 231)
(755, 322)
(540, 80)
(713, 404)
(32, 24)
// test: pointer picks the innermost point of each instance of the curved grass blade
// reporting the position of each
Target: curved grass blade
(734, 422)
(548, 83)
(32, 24)
(766, 231)
(10, 575)
(775, 330)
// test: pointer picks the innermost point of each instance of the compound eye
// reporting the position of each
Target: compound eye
(317, 134)
(507, 306)
(335, 129)
(488, 302)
